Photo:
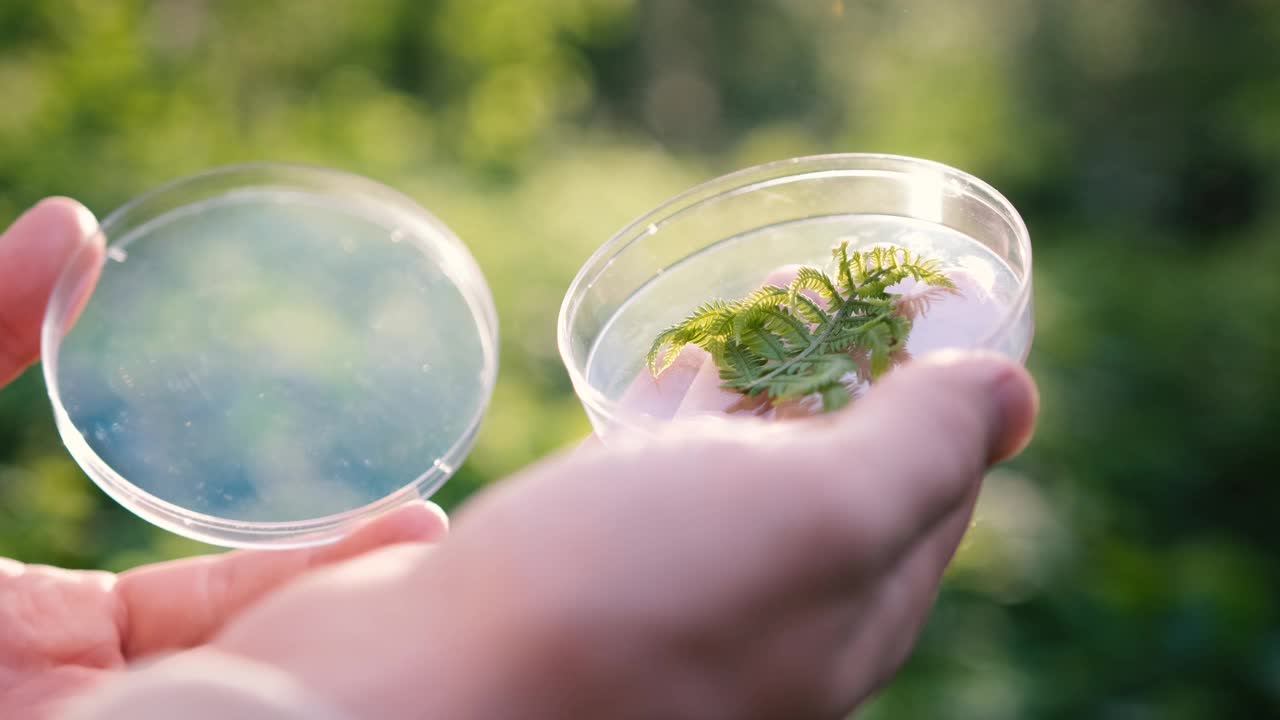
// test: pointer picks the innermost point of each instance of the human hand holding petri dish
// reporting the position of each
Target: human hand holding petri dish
(61, 631)
(272, 355)
(276, 353)
(723, 239)
(583, 512)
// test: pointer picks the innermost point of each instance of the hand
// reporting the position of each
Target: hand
(734, 569)
(62, 631)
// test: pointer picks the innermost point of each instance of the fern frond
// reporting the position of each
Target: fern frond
(899, 328)
(767, 296)
(878, 339)
(886, 267)
(669, 340)
(929, 272)
(765, 343)
(810, 311)
(792, 330)
(785, 344)
(808, 278)
(715, 348)
(834, 396)
(818, 372)
(712, 319)
(848, 334)
(741, 367)
(849, 271)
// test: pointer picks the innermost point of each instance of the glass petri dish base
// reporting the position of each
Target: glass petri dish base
(272, 355)
(727, 237)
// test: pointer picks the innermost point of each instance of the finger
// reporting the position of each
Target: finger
(911, 588)
(657, 397)
(660, 397)
(42, 695)
(180, 604)
(918, 579)
(33, 253)
(690, 386)
(912, 449)
(891, 623)
(706, 394)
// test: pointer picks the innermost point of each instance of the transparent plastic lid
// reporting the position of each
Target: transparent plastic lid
(271, 355)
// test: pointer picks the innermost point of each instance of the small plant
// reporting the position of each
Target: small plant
(804, 339)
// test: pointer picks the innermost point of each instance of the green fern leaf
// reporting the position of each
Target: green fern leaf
(834, 396)
(657, 360)
(741, 367)
(808, 310)
(818, 373)
(767, 296)
(781, 342)
(765, 343)
(710, 320)
(878, 339)
(848, 269)
(791, 328)
(808, 278)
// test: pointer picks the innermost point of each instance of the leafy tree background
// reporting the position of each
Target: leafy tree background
(1122, 568)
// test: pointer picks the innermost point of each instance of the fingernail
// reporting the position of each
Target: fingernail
(89, 229)
(438, 512)
(414, 520)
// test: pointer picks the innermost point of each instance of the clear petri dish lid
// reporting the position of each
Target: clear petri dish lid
(271, 355)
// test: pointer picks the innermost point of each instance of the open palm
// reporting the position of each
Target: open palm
(63, 630)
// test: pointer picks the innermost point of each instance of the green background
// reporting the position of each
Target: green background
(1121, 568)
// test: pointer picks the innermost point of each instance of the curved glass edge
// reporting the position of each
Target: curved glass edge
(70, 292)
(608, 418)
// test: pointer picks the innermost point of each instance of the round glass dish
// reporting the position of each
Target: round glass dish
(723, 239)
(271, 355)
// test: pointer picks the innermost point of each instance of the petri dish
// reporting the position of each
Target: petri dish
(272, 354)
(726, 237)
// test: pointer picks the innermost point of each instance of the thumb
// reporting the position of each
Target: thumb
(978, 405)
(33, 253)
(914, 448)
(182, 603)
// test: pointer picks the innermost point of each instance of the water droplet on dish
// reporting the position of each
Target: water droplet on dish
(426, 367)
(397, 235)
(117, 254)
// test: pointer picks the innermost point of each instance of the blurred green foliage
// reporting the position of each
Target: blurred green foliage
(1121, 569)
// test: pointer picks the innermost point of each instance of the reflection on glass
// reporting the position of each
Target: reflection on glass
(273, 355)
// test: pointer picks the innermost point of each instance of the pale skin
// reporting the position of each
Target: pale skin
(727, 568)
